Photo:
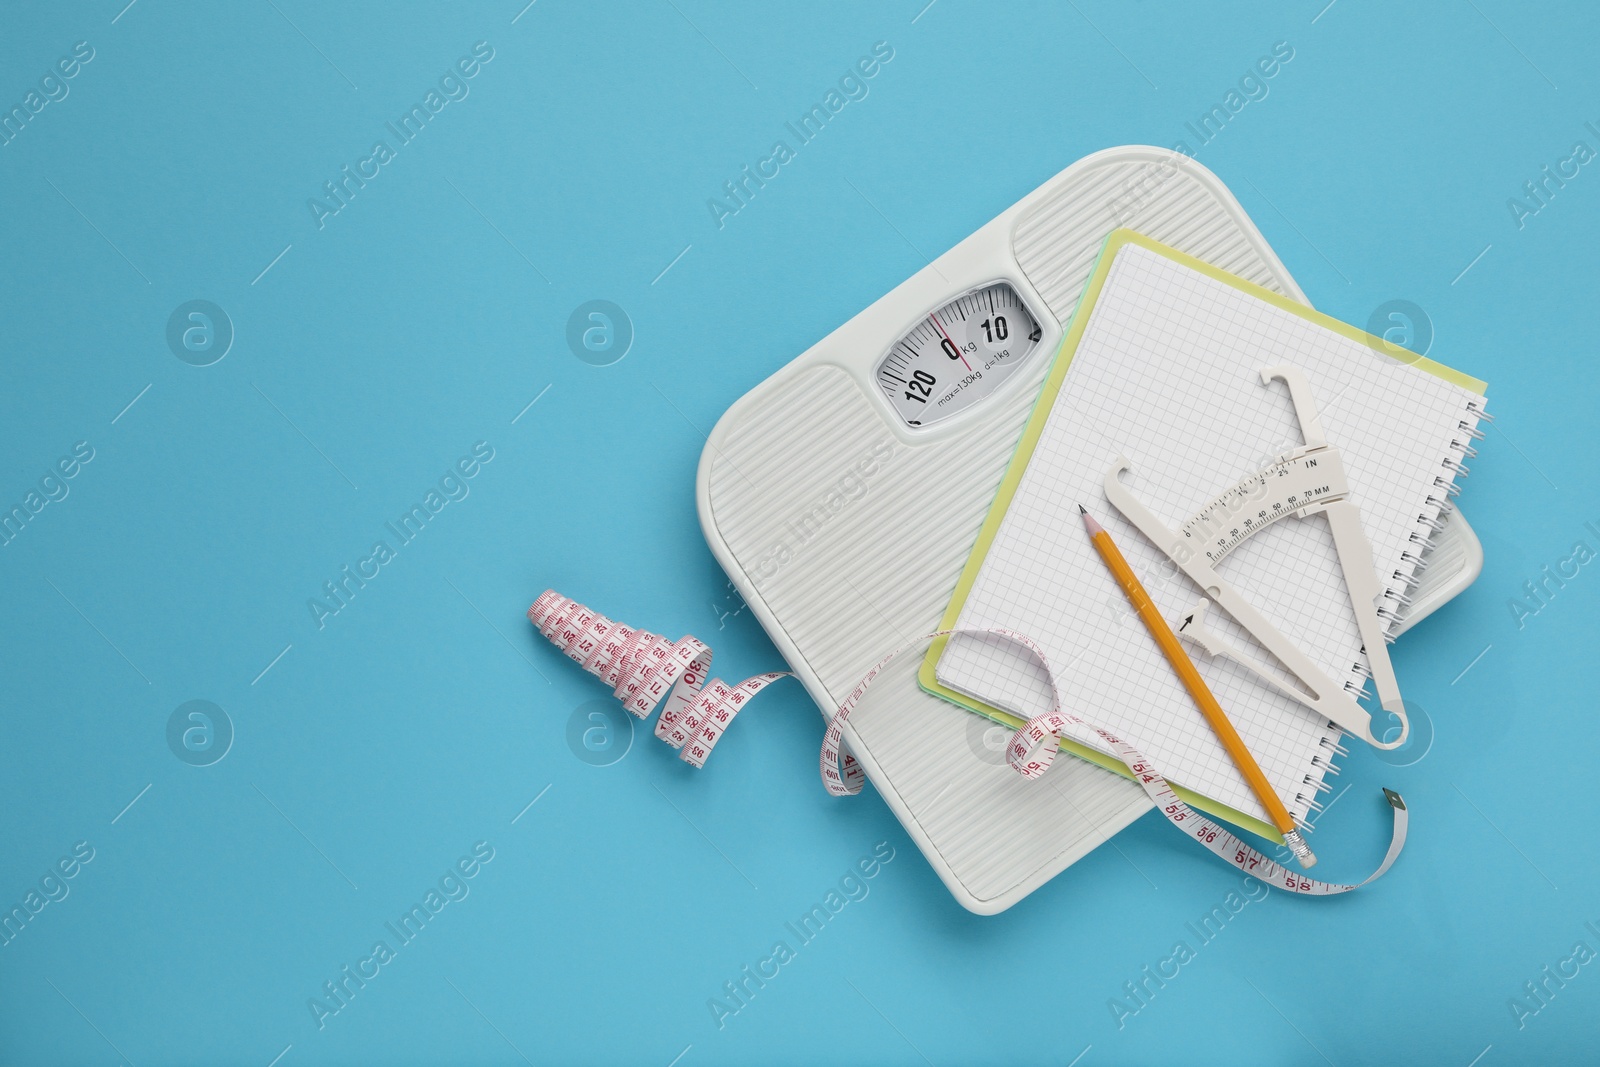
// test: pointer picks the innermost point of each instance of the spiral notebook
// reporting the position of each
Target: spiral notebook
(1162, 364)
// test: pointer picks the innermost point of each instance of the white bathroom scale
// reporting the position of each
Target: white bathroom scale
(843, 496)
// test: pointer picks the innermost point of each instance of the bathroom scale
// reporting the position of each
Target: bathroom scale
(844, 493)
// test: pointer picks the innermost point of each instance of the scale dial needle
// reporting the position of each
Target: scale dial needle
(935, 320)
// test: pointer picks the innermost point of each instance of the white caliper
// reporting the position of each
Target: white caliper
(1309, 480)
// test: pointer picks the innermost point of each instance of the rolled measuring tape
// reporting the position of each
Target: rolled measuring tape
(642, 667)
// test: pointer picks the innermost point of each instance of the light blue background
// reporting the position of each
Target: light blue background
(427, 714)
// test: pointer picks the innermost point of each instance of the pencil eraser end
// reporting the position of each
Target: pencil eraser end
(1302, 851)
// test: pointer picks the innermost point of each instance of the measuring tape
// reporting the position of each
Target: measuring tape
(642, 667)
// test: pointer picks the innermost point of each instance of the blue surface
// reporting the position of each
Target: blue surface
(372, 753)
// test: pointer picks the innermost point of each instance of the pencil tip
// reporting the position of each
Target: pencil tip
(1082, 510)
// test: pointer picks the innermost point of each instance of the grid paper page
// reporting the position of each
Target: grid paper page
(1167, 374)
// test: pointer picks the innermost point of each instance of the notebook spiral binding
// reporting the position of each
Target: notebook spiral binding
(1323, 766)
(1439, 505)
(1397, 593)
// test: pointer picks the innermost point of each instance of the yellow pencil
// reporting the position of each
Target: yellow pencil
(1190, 676)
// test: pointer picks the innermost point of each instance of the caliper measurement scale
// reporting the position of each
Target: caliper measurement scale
(1288, 487)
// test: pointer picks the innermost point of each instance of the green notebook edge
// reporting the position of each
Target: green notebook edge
(1114, 242)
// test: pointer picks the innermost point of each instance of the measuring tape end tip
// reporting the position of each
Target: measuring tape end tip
(540, 608)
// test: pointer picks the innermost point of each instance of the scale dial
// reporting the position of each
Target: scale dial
(958, 354)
